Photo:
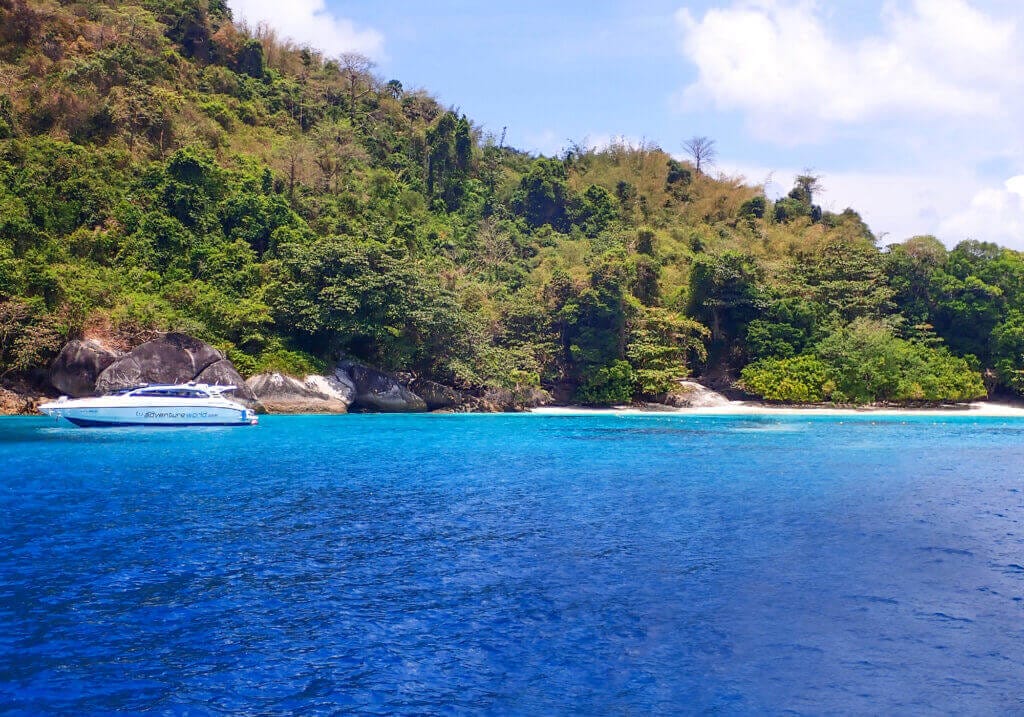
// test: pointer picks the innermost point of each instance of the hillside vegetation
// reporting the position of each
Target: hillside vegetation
(164, 168)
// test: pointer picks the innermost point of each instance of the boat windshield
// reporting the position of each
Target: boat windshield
(125, 390)
(171, 393)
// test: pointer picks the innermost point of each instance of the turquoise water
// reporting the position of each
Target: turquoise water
(524, 564)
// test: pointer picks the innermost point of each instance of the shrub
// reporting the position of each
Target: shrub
(870, 363)
(245, 364)
(277, 358)
(865, 362)
(219, 112)
(800, 379)
(607, 386)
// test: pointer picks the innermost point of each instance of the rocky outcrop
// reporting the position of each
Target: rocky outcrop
(532, 397)
(78, 365)
(223, 373)
(691, 394)
(338, 382)
(20, 395)
(86, 368)
(313, 394)
(506, 400)
(172, 358)
(379, 391)
(437, 396)
(357, 387)
(13, 403)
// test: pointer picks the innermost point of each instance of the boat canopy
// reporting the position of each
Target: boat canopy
(178, 390)
(170, 392)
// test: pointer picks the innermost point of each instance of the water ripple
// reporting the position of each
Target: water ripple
(528, 565)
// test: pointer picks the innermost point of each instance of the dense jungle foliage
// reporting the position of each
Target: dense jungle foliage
(162, 167)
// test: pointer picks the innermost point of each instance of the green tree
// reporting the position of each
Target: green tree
(1008, 351)
(788, 327)
(450, 146)
(661, 345)
(724, 297)
(608, 385)
(543, 195)
(846, 278)
(910, 268)
(368, 299)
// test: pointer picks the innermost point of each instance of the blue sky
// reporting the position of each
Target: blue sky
(907, 108)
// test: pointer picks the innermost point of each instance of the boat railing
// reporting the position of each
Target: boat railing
(209, 388)
(216, 388)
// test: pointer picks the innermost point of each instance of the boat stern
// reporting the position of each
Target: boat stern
(53, 409)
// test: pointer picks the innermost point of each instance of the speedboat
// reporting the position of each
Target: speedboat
(182, 404)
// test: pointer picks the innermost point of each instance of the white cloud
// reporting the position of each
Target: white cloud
(546, 142)
(310, 22)
(922, 112)
(994, 214)
(776, 60)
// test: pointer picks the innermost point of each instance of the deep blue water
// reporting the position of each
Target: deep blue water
(523, 564)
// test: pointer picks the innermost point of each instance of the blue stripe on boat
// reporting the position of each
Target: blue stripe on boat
(89, 423)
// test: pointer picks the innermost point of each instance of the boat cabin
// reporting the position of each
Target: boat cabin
(169, 392)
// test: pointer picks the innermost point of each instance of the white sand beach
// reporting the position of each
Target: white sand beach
(978, 409)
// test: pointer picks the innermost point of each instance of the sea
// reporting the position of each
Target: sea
(514, 564)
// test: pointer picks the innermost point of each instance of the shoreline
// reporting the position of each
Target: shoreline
(980, 409)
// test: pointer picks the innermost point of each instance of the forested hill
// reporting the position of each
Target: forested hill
(163, 168)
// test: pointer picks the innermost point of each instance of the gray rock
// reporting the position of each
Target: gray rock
(691, 394)
(173, 358)
(520, 398)
(123, 373)
(223, 373)
(78, 365)
(14, 402)
(338, 389)
(314, 394)
(379, 391)
(437, 396)
(342, 383)
(533, 397)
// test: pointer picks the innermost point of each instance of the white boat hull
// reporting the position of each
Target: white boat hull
(110, 416)
(188, 404)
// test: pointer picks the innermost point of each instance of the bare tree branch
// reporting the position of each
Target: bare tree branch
(702, 150)
(355, 68)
